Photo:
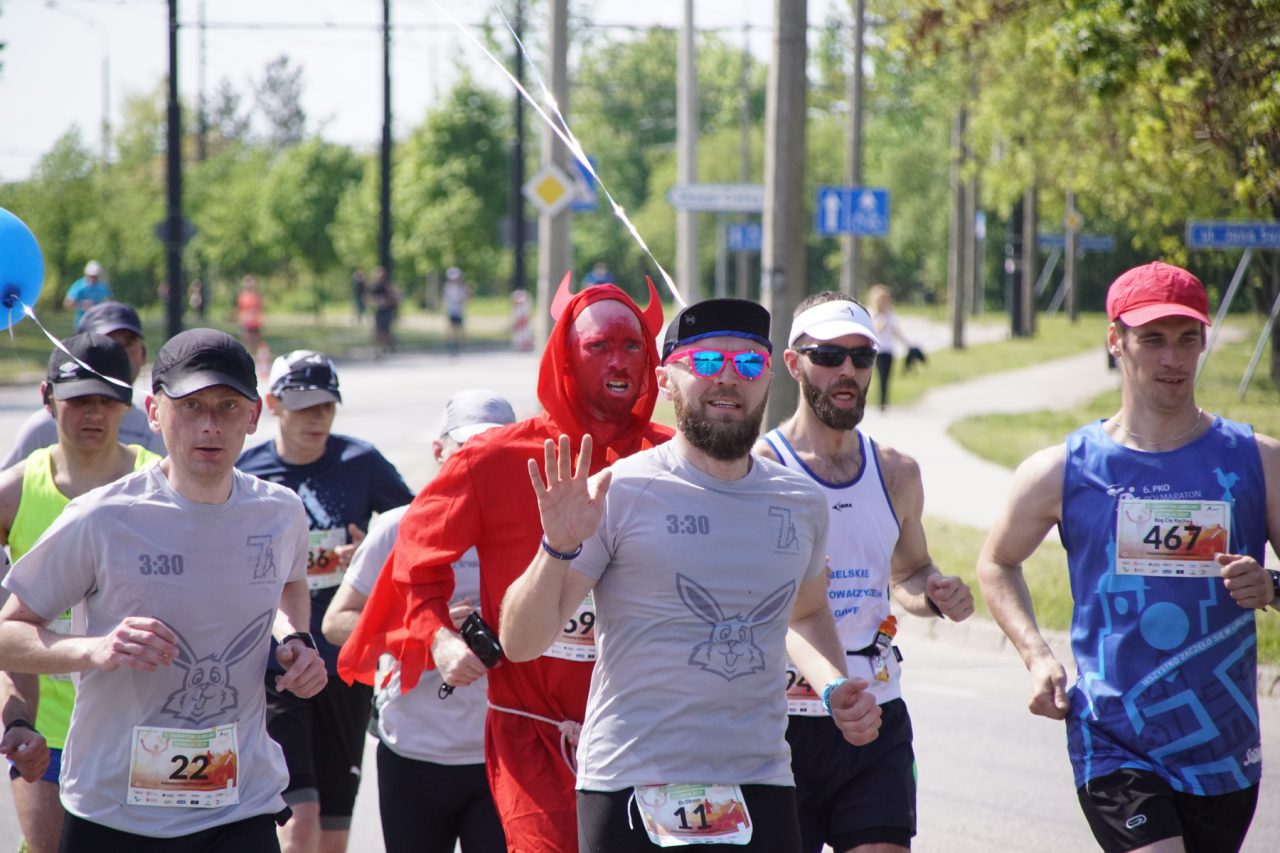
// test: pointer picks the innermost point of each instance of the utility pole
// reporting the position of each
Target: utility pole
(1030, 258)
(956, 255)
(554, 257)
(782, 261)
(849, 243)
(384, 195)
(173, 173)
(517, 159)
(202, 119)
(687, 157)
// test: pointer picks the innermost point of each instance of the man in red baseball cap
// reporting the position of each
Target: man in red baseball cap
(1165, 514)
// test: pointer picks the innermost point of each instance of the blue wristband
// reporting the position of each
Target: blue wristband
(828, 690)
(561, 555)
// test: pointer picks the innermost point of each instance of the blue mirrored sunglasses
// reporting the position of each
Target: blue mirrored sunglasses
(749, 364)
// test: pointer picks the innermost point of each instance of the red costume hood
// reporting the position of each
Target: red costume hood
(558, 392)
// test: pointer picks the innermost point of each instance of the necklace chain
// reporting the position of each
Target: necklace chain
(1194, 426)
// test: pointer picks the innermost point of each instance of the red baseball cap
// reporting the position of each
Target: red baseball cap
(1154, 291)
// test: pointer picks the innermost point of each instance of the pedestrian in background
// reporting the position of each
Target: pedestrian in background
(890, 333)
(87, 291)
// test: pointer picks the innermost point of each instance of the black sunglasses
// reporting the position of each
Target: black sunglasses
(830, 355)
(307, 377)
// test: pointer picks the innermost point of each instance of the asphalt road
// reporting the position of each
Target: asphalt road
(992, 777)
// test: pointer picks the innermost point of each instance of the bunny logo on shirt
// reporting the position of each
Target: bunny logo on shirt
(206, 691)
(731, 649)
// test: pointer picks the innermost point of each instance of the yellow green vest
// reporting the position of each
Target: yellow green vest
(42, 503)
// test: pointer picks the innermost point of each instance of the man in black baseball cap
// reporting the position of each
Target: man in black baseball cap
(202, 358)
(119, 322)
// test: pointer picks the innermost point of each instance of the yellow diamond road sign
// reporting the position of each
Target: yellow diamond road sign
(551, 190)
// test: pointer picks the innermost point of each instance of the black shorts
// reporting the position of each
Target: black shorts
(608, 822)
(251, 835)
(851, 795)
(323, 742)
(1133, 808)
(429, 808)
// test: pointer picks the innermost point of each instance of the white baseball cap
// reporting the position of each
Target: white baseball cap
(831, 320)
(93, 268)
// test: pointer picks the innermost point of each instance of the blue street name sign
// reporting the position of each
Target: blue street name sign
(744, 237)
(1203, 234)
(852, 210)
(1084, 242)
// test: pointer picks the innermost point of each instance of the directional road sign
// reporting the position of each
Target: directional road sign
(551, 190)
(853, 210)
(1203, 234)
(717, 198)
(744, 236)
(1084, 242)
(588, 195)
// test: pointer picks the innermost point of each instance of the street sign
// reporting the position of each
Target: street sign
(744, 236)
(1203, 234)
(852, 210)
(551, 190)
(587, 198)
(1084, 242)
(717, 198)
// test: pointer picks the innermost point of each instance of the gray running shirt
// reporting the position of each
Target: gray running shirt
(212, 573)
(419, 724)
(696, 578)
(39, 430)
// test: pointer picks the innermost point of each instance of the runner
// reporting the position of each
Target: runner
(120, 323)
(342, 482)
(178, 574)
(706, 564)
(596, 377)
(1165, 512)
(432, 789)
(86, 411)
(857, 798)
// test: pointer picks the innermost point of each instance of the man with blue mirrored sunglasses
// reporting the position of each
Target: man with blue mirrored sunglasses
(704, 562)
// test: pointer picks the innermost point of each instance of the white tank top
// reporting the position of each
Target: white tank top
(860, 541)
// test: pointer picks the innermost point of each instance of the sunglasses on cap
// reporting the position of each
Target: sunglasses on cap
(306, 377)
(707, 363)
(830, 355)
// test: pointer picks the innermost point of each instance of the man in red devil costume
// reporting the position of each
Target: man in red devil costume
(597, 377)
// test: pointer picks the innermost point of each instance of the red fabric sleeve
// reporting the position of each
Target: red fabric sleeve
(410, 600)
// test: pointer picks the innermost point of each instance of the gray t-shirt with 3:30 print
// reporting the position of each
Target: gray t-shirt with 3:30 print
(145, 747)
(696, 578)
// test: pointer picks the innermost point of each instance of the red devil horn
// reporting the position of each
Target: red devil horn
(562, 297)
(653, 319)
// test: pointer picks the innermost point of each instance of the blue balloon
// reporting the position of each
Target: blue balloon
(21, 267)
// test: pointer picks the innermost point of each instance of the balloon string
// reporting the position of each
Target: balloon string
(28, 311)
(565, 135)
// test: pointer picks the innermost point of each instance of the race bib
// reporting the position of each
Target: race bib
(184, 768)
(1171, 538)
(322, 561)
(802, 700)
(690, 813)
(577, 639)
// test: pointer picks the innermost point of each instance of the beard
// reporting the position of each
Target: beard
(725, 441)
(829, 413)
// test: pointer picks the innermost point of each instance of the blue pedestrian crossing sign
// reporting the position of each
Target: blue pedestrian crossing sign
(744, 237)
(852, 210)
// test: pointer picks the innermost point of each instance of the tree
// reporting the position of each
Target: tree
(278, 98)
(227, 124)
(299, 197)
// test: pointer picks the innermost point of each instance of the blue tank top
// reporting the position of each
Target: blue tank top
(1167, 665)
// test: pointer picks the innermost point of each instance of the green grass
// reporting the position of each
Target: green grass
(1057, 337)
(1008, 439)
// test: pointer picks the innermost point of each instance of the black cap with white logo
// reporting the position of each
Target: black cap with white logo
(81, 374)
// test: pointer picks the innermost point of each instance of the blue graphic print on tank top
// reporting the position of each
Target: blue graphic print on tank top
(1167, 665)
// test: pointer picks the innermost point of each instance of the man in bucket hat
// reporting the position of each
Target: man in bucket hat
(1165, 513)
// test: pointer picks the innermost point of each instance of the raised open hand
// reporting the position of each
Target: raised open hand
(569, 502)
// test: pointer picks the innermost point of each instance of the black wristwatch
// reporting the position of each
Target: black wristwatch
(1275, 584)
(305, 636)
(19, 723)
